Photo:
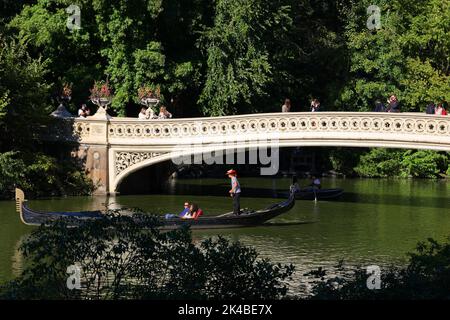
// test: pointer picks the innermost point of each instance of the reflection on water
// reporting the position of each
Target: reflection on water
(17, 258)
(375, 222)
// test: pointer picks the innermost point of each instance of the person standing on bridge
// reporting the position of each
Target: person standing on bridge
(315, 105)
(84, 111)
(440, 110)
(235, 191)
(379, 106)
(286, 107)
(445, 106)
(431, 108)
(142, 115)
(393, 104)
(164, 114)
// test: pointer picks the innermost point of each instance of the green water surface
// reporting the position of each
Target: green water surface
(375, 222)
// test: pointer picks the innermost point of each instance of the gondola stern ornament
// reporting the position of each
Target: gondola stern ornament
(20, 200)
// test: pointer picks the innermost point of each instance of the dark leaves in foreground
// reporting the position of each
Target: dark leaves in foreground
(128, 257)
(427, 276)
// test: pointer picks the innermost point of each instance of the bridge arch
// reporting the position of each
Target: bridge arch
(169, 156)
(136, 161)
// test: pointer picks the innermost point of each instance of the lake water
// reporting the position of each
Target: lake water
(376, 222)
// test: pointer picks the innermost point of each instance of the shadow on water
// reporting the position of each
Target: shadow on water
(415, 200)
(287, 224)
(220, 190)
(395, 199)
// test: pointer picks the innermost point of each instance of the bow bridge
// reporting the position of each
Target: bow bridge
(113, 148)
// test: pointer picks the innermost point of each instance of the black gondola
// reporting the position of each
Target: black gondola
(319, 194)
(247, 218)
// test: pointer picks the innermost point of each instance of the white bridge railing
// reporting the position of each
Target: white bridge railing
(412, 127)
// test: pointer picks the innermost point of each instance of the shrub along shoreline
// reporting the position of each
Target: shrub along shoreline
(387, 163)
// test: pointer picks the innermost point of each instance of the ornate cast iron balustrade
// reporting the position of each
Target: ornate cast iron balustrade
(339, 122)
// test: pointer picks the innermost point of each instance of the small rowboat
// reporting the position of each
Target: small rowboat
(319, 194)
(247, 218)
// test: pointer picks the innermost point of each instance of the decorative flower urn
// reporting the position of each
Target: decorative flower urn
(149, 102)
(149, 97)
(63, 99)
(101, 96)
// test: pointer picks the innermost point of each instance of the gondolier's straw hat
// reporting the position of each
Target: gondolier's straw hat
(231, 172)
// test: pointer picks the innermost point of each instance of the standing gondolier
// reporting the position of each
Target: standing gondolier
(235, 191)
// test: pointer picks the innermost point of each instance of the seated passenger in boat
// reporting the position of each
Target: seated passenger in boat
(294, 188)
(182, 214)
(186, 209)
(194, 212)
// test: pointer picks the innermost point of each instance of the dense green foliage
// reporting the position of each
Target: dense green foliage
(222, 56)
(408, 56)
(383, 163)
(24, 108)
(215, 57)
(9, 8)
(123, 257)
(238, 66)
(427, 276)
(344, 160)
(379, 163)
(131, 43)
(23, 96)
(41, 175)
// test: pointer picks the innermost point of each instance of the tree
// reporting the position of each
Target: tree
(24, 111)
(23, 96)
(258, 52)
(344, 160)
(423, 164)
(71, 56)
(238, 65)
(217, 57)
(124, 41)
(399, 58)
(9, 8)
(380, 163)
